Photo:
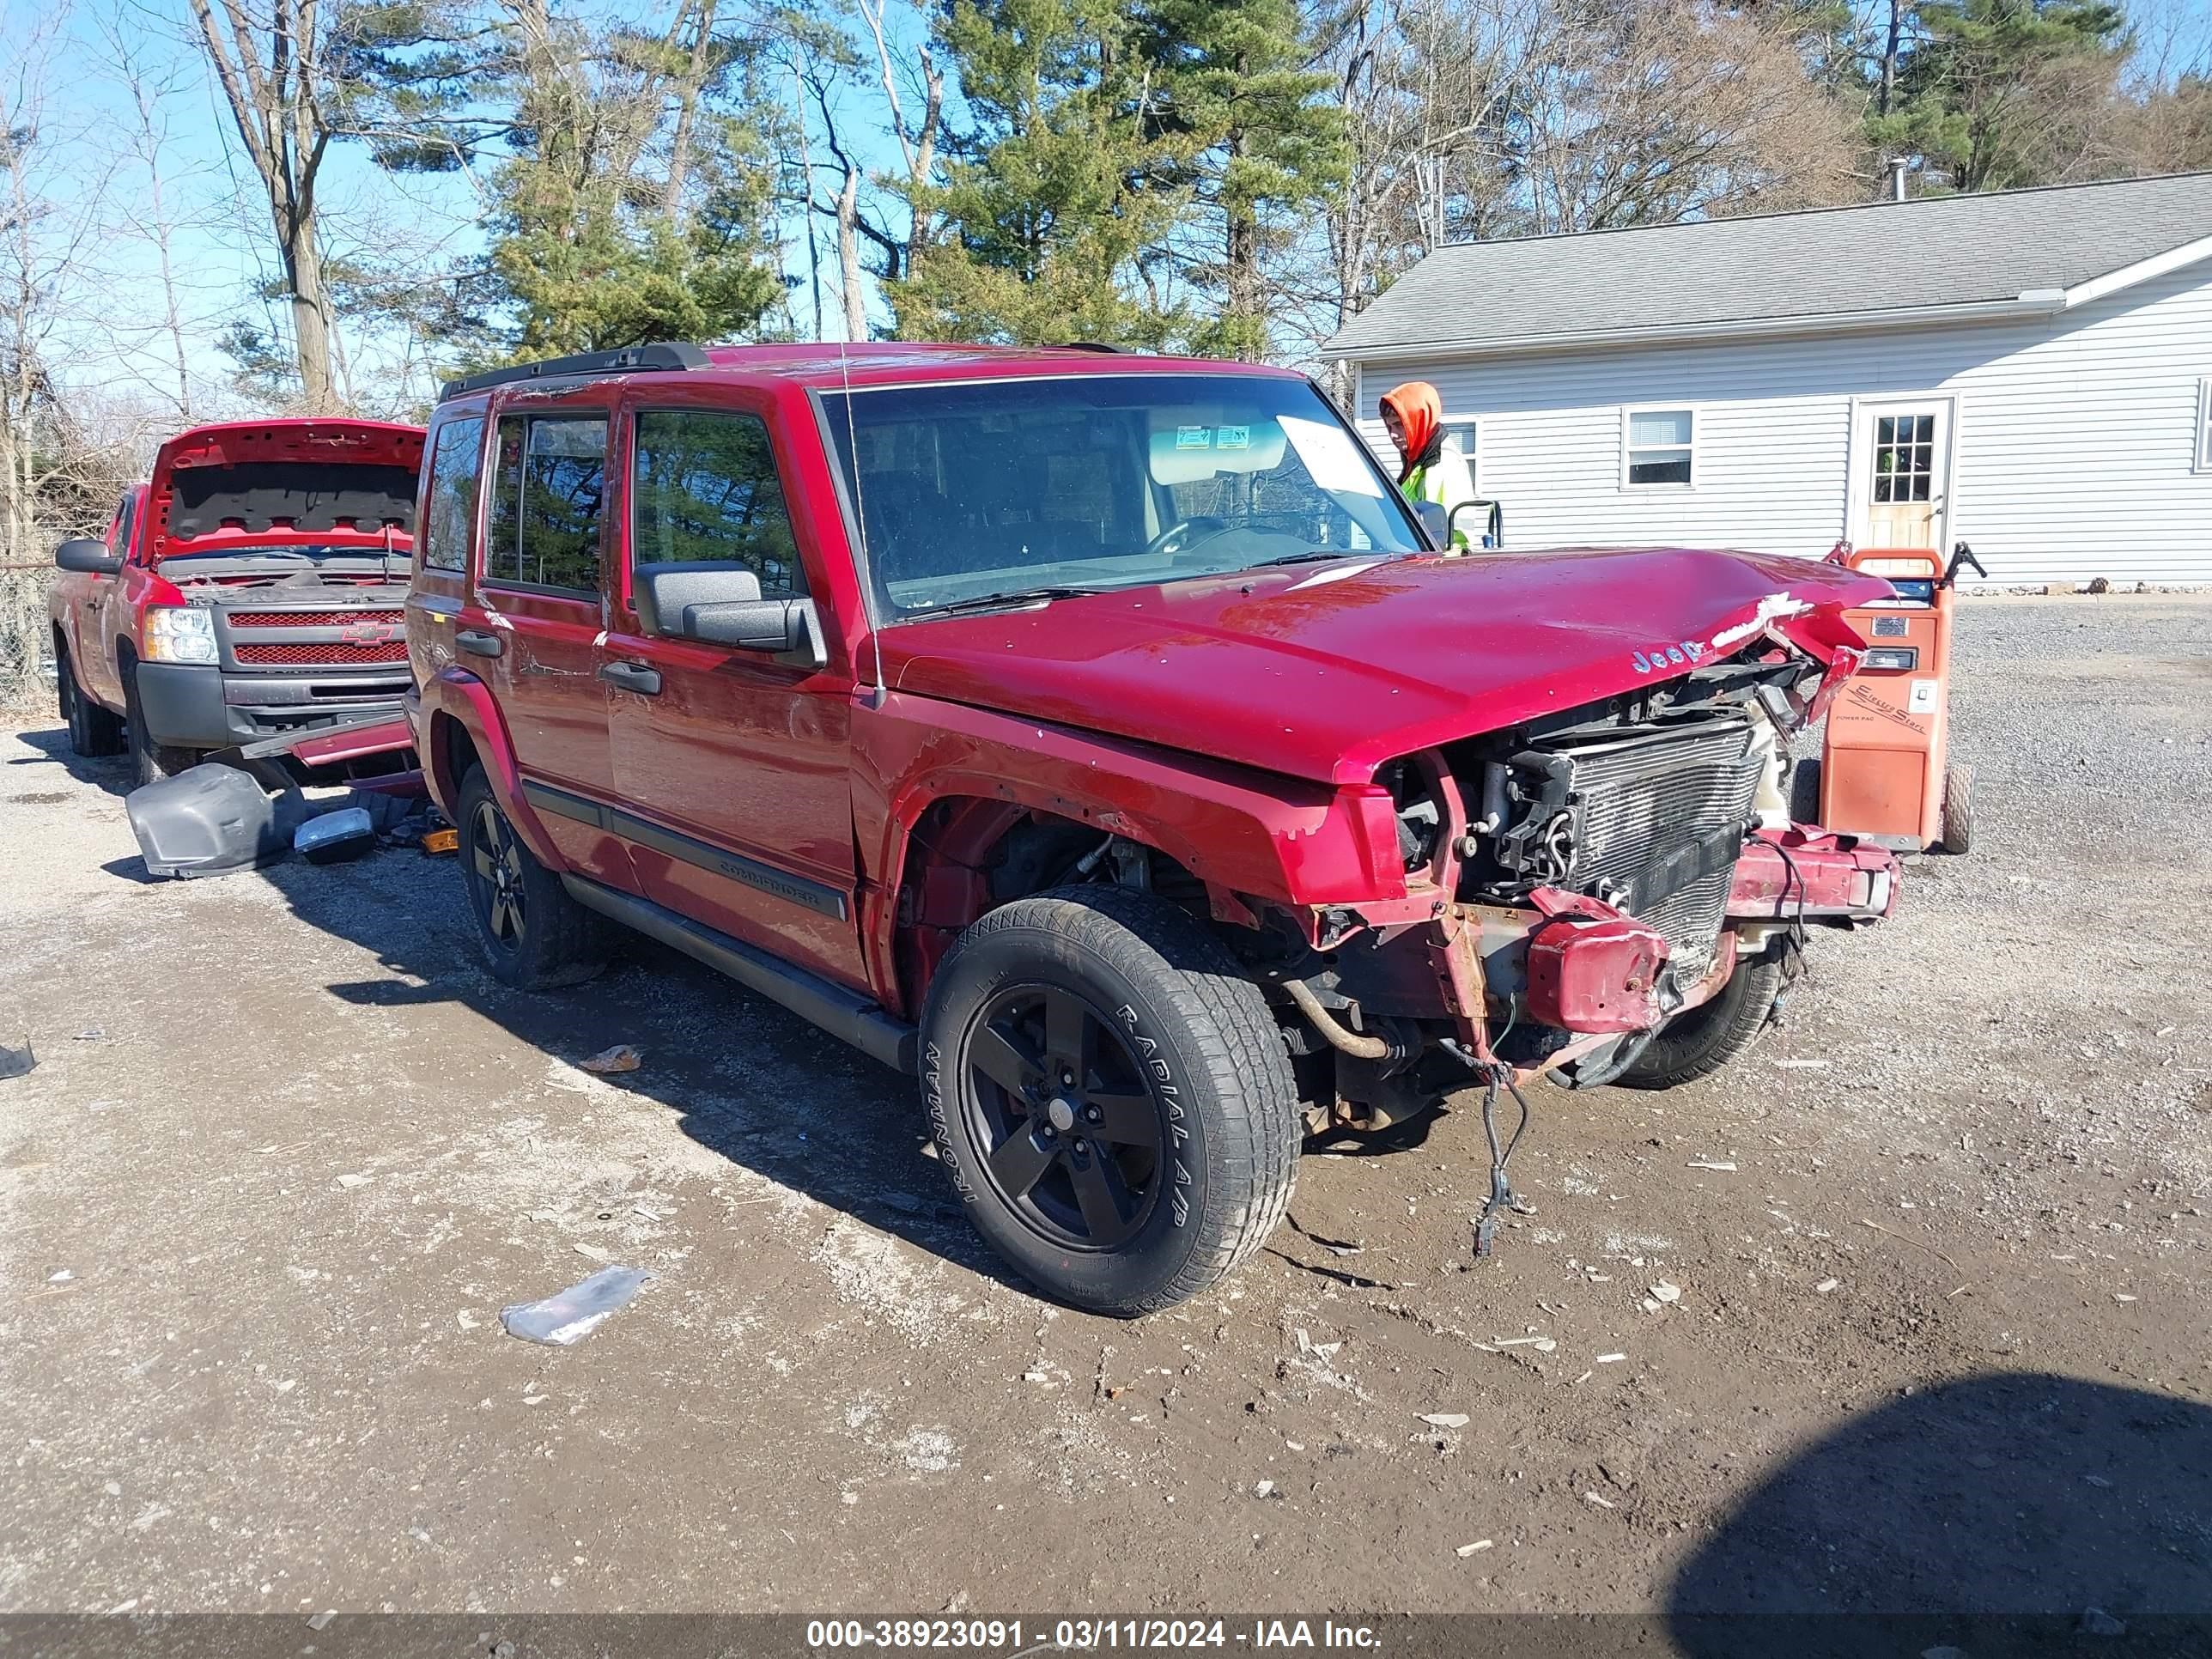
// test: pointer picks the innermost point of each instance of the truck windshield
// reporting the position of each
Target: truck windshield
(966, 492)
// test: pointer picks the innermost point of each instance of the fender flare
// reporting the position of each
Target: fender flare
(456, 694)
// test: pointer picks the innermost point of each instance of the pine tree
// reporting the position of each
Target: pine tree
(2003, 93)
(1056, 198)
(1258, 146)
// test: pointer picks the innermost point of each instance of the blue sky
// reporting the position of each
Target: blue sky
(125, 103)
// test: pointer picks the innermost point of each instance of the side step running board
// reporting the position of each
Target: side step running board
(842, 1014)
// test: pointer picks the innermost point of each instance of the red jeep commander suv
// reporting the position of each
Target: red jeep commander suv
(1101, 739)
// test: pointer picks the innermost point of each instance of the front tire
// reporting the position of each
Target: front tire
(1699, 1042)
(534, 937)
(95, 732)
(1959, 810)
(1110, 1097)
(150, 762)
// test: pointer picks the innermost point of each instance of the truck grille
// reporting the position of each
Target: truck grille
(315, 618)
(329, 653)
(1644, 794)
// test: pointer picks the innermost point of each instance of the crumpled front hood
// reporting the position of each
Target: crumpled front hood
(1325, 671)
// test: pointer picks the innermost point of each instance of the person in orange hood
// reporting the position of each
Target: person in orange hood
(1430, 466)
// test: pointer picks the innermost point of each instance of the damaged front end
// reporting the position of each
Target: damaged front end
(1579, 883)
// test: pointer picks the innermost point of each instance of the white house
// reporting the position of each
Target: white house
(2027, 371)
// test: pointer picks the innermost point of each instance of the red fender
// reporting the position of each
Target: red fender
(454, 694)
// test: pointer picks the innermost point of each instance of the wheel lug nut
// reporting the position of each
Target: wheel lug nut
(1092, 1115)
(1067, 1079)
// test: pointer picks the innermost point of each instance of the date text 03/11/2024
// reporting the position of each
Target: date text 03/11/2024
(1082, 1635)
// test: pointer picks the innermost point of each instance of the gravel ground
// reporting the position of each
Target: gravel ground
(1940, 1244)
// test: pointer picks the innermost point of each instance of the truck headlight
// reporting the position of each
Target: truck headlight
(180, 633)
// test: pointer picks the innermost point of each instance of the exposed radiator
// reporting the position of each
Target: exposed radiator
(1645, 794)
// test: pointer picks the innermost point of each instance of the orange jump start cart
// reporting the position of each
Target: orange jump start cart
(1886, 769)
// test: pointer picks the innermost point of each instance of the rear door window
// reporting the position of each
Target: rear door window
(450, 520)
(551, 481)
(704, 487)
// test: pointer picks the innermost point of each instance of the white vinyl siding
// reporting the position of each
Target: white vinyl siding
(2080, 449)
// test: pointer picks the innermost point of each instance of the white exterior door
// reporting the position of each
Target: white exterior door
(1901, 472)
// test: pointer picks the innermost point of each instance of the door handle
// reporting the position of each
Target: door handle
(632, 677)
(479, 643)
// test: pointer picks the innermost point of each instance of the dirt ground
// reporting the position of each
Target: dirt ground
(1940, 1245)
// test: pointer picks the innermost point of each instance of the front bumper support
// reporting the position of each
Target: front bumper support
(1807, 871)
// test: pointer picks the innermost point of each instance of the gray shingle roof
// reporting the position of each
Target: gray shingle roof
(1763, 270)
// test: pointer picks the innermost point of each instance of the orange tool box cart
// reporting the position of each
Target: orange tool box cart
(1886, 769)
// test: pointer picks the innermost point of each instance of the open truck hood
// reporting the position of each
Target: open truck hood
(246, 484)
(1325, 671)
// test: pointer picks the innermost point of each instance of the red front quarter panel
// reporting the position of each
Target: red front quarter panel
(1298, 843)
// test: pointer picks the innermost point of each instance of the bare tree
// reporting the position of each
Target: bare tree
(273, 70)
(51, 199)
(152, 214)
(1478, 118)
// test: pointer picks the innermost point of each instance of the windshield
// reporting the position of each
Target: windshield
(1107, 481)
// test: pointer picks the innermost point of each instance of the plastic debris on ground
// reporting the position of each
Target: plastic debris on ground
(620, 1058)
(334, 837)
(214, 819)
(17, 1062)
(211, 820)
(566, 1319)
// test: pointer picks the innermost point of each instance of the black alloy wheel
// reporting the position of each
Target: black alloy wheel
(497, 883)
(535, 935)
(1076, 1136)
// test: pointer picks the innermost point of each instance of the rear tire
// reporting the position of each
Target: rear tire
(94, 732)
(1110, 1096)
(1959, 810)
(150, 762)
(1699, 1042)
(534, 936)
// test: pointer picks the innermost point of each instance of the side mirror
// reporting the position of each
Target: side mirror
(1434, 523)
(718, 603)
(88, 557)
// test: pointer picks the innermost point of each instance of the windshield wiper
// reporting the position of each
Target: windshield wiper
(1002, 601)
(1315, 556)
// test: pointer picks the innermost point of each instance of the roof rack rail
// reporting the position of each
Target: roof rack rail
(1093, 345)
(665, 354)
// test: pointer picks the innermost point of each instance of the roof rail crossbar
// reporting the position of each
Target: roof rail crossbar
(665, 354)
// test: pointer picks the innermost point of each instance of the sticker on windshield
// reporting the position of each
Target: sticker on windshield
(1193, 437)
(1330, 456)
(1233, 437)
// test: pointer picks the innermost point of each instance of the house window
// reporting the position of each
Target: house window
(2204, 426)
(1657, 446)
(1461, 436)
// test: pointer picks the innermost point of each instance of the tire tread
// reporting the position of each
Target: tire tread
(1252, 1170)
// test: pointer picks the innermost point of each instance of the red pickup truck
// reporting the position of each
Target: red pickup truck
(1101, 738)
(251, 589)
